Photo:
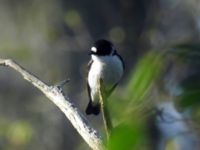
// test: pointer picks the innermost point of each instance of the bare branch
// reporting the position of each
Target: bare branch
(55, 94)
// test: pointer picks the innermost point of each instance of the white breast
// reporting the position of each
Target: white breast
(109, 69)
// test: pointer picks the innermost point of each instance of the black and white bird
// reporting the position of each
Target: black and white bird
(105, 65)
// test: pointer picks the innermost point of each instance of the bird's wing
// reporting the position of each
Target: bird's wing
(112, 89)
(123, 64)
(90, 108)
(88, 87)
(89, 64)
(89, 90)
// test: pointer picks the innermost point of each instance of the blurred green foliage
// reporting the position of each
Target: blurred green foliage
(130, 133)
(191, 92)
(188, 52)
(148, 72)
(20, 53)
(126, 137)
(139, 84)
(142, 77)
(190, 98)
(17, 134)
(72, 19)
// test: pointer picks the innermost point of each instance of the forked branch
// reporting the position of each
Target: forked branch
(55, 94)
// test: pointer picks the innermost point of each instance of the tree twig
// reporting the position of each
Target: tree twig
(55, 94)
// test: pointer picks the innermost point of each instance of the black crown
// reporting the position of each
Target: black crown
(103, 47)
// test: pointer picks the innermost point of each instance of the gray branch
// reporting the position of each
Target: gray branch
(55, 94)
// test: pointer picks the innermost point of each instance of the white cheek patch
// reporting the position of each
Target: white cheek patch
(94, 49)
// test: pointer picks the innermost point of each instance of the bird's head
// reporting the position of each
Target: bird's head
(102, 48)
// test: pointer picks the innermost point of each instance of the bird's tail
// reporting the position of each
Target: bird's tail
(92, 109)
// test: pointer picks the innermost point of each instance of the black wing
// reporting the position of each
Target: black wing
(89, 64)
(88, 87)
(88, 109)
(123, 64)
(91, 109)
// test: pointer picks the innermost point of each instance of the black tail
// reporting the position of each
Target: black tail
(92, 109)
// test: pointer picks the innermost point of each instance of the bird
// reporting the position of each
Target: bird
(107, 66)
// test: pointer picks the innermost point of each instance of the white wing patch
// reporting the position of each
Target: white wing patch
(94, 49)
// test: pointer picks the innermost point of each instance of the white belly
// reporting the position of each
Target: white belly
(107, 68)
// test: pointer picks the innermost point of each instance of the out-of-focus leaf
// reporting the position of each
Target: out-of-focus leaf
(171, 145)
(144, 74)
(72, 19)
(191, 94)
(191, 98)
(125, 137)
(117, 34)
(19, 133)
(189, 52)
